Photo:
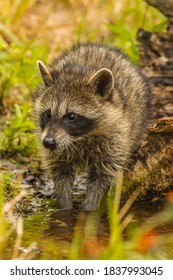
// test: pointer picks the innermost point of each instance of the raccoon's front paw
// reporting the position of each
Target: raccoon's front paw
(63, 203)
(88, 206)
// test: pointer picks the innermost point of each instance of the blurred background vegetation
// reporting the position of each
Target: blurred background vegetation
(32, 30)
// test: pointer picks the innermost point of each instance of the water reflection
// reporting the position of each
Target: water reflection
(54, 231)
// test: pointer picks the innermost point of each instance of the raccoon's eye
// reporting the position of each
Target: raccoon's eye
(45, 118)
(71, 117)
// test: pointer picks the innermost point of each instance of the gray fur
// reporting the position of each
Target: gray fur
(112, 101)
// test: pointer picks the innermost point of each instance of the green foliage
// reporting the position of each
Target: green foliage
(125, 39)
(126, 24)
(18, 78)
(7, 184)
(17, 137)
(124, 20)
(18, 73)
(1, 194)
(160, 27)
(16, 54)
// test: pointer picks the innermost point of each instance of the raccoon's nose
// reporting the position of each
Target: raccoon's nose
(49, 143)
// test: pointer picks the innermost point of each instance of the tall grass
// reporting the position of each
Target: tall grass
(10, 225)
(13, 10)
(128, 240)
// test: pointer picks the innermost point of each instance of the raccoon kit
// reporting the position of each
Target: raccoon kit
(91, 111)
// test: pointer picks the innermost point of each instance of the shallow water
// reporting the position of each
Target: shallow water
(53, 230)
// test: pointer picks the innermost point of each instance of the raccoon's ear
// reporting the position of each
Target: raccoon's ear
(103, 82)
(44, 72)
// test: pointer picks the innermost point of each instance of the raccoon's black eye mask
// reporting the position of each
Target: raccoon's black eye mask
(73, 124)
(76, 125)
(45, 118)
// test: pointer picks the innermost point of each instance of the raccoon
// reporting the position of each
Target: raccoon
(92, 110)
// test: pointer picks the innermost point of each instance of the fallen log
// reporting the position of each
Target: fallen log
(152, 166)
